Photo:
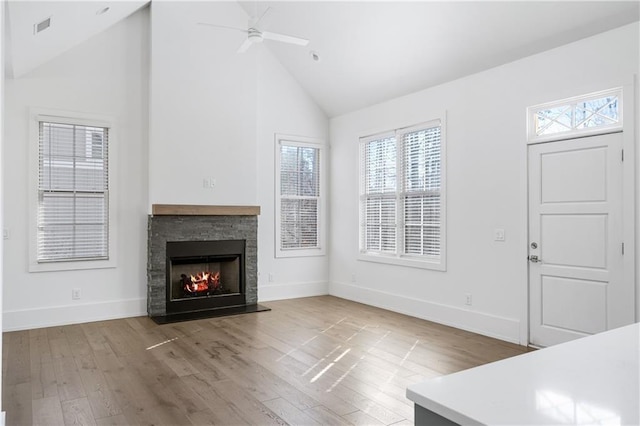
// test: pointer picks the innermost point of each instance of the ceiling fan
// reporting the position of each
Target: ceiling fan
(255, 35)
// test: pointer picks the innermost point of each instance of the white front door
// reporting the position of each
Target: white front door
(576, 285)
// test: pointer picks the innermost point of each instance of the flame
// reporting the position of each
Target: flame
(201, 281)
(202, 276)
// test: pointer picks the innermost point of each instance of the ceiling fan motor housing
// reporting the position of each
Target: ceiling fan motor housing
(255, 36)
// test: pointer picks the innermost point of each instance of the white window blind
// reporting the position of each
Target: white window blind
(299, 196)
(73, 187)
(401, 193)
(380, 165)
(421, 191)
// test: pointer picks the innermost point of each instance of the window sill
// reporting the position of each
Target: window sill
(404, 261)
(71, 266)
(300, 252)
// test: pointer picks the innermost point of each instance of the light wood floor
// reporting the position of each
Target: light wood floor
(320, 360)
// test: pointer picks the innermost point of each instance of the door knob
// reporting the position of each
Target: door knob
(534, 258)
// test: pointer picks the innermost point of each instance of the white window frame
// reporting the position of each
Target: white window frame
(37, 115)
(398, 258)
(301, 141)
(532, 112)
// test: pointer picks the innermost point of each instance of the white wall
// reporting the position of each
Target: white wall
(285, 109)
(105, 75)
(2, 50)
(203, 106)
(214, 113)
(486, 184)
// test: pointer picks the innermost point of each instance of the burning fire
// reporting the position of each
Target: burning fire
(202, 281)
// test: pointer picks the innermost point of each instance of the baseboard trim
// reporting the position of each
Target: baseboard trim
(292, 290)
(27, 319)
(502, 328)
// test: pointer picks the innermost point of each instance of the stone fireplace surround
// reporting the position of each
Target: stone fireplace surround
(199, 223)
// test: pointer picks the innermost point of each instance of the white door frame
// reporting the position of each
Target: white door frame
(629, 204)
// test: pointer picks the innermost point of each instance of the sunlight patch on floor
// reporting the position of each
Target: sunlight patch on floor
(296, 348)
(307, 341)
(354, 365)
(310, 369)
(357, 332)
(324, 370)
(395, 372)
(342, 354)
(161, 343)
(333, 325)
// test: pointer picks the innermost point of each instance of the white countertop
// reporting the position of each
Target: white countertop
(593, 380)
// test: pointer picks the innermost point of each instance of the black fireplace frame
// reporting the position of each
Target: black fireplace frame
(202, 252)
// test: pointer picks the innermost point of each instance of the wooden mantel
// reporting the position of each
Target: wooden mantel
(195, 210)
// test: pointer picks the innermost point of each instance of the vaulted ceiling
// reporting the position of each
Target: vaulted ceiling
(368, 51)
(69, 24)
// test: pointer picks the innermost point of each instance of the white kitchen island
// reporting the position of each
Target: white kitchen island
(593, 380)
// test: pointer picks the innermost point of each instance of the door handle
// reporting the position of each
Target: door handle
(534, 258)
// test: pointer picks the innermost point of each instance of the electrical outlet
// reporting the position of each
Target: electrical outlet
(353, 278)
(498, 234)
(75, 294)
(468, 299)
(270, 278)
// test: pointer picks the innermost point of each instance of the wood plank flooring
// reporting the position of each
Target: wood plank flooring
(319, 360)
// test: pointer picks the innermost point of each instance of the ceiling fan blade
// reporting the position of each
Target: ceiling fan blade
(244, 46)
(285, 38)
(223, 26)
(255, 24)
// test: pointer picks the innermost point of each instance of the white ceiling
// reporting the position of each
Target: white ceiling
(369, 51)
(72, 22)
(373, 51)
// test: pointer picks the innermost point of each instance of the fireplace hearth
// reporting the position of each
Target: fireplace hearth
(202, 262)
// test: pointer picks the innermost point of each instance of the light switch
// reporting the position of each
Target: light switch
(208, 182)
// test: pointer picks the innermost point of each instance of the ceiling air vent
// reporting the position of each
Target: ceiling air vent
(41, 26)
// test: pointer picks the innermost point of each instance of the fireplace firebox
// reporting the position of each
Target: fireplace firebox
(205, 275)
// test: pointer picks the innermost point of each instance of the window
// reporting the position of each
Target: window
(72, 208)
(589, 114)
(402, 197)
(299, 204)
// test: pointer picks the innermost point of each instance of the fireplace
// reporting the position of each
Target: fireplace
(205, 275)
(202, 262)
